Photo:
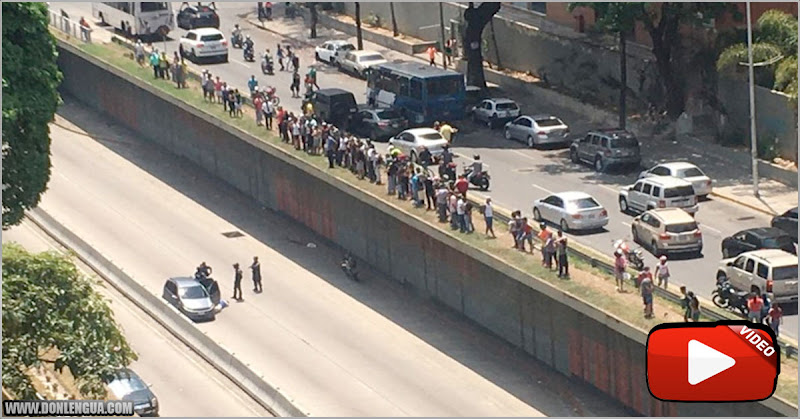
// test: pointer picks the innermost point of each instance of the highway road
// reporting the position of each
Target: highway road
(183, 382)
(339, 348)
(520, 175)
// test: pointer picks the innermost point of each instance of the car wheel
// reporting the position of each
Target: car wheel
(225, 59)
(573, 155)
(194, 55)
(599, 164)
(507, 134)
(564, 226)
(492, 122)
(623, 205)
(316, 56)
(333, 61)
(537, 215)
(531, 142)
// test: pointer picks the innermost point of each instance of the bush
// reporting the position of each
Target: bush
(373, 20)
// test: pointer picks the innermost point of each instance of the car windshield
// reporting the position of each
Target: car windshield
(691, 172)
(624, 142)
(432, 136)
(784, 272)
(583, 203)
(549, 122)
(792, 213)
(193, 292)
(125, 383)
(506, 106)
(153, 6)
(213, 37)
(347, 47)
(389, 114)
(374, 57)
(783, 242)
(679, 191)
(444, 86)
(343, 100)
(681, 228)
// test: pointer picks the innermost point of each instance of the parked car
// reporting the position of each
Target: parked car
(754, 239)
(191, 297)
(197, 16)
(771, 270)
(378, 123)
(537, 130)
(687, 171)
(605, 148)
(330, 51)
(335, 106)
(787, 222)
(411, 141)
(571, 211)
(667, 230)
(495, 111)
(359, 62)
(204, 43)
(127, 386)
(658, 192)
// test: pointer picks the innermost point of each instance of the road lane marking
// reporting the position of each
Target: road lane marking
(626, 224)
(524, 155)
(606, 187)
(546, 190)
(703, 226)
(239, 62)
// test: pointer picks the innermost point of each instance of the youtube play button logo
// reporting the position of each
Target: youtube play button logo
(712, 362)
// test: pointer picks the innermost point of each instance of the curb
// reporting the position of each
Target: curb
(260, 25)
(742, 203)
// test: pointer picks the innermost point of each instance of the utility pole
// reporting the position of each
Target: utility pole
(441, 27)
(753, 136)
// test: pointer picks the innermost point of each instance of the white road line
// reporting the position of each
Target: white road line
(606, 187)
(546, 190)
(524, 155)
(706, 227)
(240, 63)
(626, 224)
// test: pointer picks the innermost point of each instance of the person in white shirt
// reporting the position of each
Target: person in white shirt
(488, 217)
(269, 110)
(662, 272)
(460, 211)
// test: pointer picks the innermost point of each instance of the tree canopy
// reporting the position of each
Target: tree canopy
(30, 99)
(48, 304)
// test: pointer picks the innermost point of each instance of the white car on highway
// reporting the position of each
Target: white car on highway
(571, 211)
(331, 51)
(204, 43)
(411, 141)
(495, 111)
(682, 170)
(358, 62)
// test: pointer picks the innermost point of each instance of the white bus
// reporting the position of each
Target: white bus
(140, 18)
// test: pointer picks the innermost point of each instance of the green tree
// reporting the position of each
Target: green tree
(30, 99)
(48, 304)
(774, 45)
(663, 24)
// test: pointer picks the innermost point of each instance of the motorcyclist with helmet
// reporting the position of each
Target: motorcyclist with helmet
(474, 169)
(236, 35)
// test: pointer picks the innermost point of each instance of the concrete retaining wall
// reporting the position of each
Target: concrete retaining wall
(573, 338)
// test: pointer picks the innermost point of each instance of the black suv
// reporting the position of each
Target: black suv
(199, 16)
(334, 106)
(604, 148)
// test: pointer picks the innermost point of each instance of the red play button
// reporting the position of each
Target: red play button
(712, 362)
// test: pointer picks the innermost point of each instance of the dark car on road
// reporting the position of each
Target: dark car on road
(125, 385)
(194, 299)
(755, 239)
(198, 16)
(334, 106)
(378, 123)
(787, 222)
(605, 148)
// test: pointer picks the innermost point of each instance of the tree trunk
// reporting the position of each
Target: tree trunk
(314, 19)
(359, 38)
(623, 79)
(475, 19)
(395, 32)
(666, 40)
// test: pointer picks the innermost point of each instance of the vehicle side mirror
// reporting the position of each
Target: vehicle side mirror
(730, 263)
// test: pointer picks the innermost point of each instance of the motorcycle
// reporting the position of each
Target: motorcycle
(247, 53)
(634, 256)
(448, 172)
(481, 180)
(267, 66)
(236, 40)
(348, 266)
(725, 296)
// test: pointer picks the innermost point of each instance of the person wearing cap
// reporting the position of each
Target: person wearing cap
(662, 272)
(237, 282)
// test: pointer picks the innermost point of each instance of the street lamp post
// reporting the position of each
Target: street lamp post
(753, 137)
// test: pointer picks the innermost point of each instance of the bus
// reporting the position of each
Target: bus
(424, 93)
(140, 18)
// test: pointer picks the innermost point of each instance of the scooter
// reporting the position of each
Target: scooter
(725, 296)
(348, 266)
(634, 256)
(481, 180)
(247, 54)
(267, 66)
(272, 96)
(236, 40)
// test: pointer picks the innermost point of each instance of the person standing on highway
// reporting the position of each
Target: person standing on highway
(561, 252)
(453, 210)
(488, 217)
(255, 268)
(543, 235)
(238, 103)
(620, 264)
(269, 110)
(295, 62)
(163, 64)
(447, 132)
(754, 305)
(226, 97)
(279, 56)
(662, 272)
(330, 149)
(312, 75)
(252, 84)
(237, 282)
(685, 300)
(526, 234)
(462, 186)
(694, 307)
(775, 317)
(441, 202)
(430, 192)
(138, 52)
(549, 251)
(646, 288)
(460, 214)
(258, 105)
(432, 55)
(295, 87)
(154, 62)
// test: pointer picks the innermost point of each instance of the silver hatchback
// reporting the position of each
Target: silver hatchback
(192, 298)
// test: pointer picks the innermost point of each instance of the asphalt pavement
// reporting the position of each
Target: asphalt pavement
(183, 382)
(519, 175)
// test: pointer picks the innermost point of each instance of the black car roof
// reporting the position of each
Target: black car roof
(765, 232)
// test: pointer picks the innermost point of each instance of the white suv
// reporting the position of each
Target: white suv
(495, 112)
(772, 270)
(204, 43)
(658, 192)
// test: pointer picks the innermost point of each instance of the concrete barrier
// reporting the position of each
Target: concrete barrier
(215, 353)
(571, 336)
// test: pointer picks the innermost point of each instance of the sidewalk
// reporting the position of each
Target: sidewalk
(729, 168)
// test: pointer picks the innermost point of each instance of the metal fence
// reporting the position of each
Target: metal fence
(61, 21)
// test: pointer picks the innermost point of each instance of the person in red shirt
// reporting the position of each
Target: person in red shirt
(462, 185)
(775, 317)
(645, 273)
(754, 306)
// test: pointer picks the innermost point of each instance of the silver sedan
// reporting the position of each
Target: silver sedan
(571, 211)
(537, 130)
